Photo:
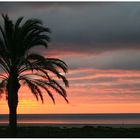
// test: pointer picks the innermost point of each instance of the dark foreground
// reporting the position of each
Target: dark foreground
(74, 132)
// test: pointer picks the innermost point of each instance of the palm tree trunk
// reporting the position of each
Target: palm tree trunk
(12, 120)
(12, 88)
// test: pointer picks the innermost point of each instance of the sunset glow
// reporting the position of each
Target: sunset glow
(103, 57)
(91, 91)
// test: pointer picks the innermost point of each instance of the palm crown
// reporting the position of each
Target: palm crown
(32, 69)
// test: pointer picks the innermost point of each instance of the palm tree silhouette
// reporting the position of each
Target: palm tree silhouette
(21, 66)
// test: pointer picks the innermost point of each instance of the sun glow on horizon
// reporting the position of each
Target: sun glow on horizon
(102, 54)
(90, 91)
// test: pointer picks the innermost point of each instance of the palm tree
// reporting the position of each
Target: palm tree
(21, 66)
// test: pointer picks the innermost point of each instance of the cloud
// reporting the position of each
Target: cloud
(104, 86)
(99, 42)
(95, 27)
(127, 60)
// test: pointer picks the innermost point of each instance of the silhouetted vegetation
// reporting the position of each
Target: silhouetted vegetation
(23, 67)
(74, 132)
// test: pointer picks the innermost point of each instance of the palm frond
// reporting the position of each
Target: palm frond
(34, 34)
(8, 29)
(4, 65)
(55, 86)
(51, 63)
(34, 89)
(42, 85)
(5, 43)
(18, 22)
(16, 39)
(48, 68)
(3, 86)
(3, 77)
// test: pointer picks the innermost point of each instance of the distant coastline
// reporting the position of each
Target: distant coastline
(75, 125)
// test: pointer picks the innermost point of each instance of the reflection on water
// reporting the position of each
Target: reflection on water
(75, 119)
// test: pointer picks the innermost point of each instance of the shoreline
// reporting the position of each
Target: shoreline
(86, 131)
(74, 125)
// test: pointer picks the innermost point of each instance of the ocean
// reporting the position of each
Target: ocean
(77, 119)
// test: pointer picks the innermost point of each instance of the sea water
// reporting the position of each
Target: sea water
(83, 119)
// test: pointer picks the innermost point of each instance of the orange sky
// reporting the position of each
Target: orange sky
(100, 42)
(91, 91)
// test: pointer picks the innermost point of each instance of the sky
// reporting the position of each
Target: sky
(100, 42)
